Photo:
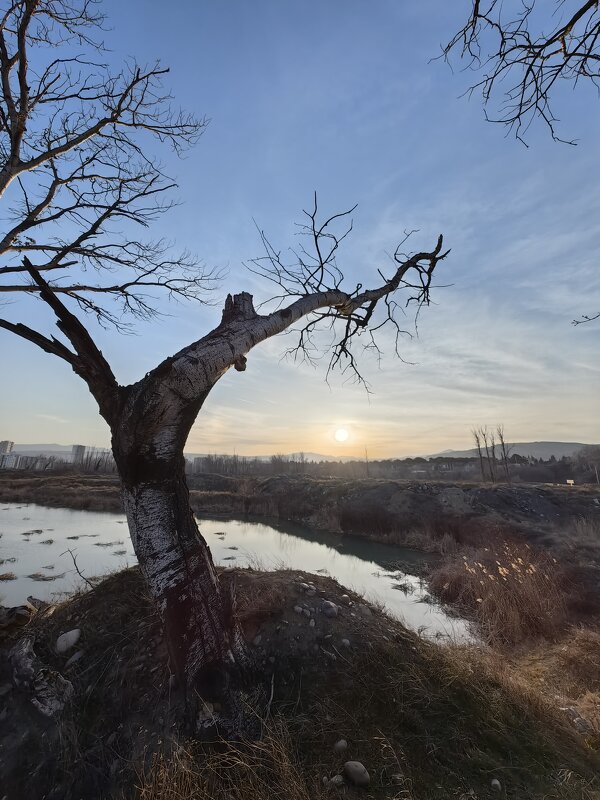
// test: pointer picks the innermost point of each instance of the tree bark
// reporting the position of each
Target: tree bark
(206, 648)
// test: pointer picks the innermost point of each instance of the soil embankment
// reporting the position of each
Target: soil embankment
(346, 684)
(430, 516)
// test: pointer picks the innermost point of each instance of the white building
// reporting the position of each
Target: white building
(78, 453)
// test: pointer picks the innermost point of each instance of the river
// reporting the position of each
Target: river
(35, 541)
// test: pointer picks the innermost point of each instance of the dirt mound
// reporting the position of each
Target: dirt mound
(426, 722)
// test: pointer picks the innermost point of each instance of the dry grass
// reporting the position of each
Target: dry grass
(8, 576)
(265, 770)
(428, 723)
(511, 592)
(85, 492)
(579, 657)
(432, 725)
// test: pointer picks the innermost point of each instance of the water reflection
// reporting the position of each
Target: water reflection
(101, 545)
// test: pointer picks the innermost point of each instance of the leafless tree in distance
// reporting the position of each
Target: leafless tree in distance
(504, 452)
(75, 177)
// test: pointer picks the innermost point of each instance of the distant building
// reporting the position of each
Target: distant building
(6, 447)
(10, 461)
(78, 453)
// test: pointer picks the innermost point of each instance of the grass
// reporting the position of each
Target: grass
(428, 723)
(513, 593)
(262, 770)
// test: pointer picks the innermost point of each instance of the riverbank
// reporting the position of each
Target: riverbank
(431, 516)
(428, 723)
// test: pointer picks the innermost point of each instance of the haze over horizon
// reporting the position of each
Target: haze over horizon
(322, 97)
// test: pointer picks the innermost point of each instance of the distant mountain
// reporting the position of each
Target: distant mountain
(290, 456)
(43, 449)
(534, 449)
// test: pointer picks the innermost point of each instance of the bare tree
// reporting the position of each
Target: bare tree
(77, 180)
(488, 444)
(81, 173)
(477, 438)
(523, 51)
(523, 55)
(504, 452)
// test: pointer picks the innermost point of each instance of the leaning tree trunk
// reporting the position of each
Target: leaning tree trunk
(206, 648)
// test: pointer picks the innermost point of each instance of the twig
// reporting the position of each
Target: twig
(81, 575)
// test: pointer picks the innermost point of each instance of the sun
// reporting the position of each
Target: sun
(341, 435)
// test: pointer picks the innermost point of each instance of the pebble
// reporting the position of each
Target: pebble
(312, 623)
(257, 640)
(365, 610)
(67, 640)
(340, 746)
(330, 609)
(496, 785)
(356, 773)
(346, 642)
(298, 609)
(337, 781)
(74, 659)
(306, 612)
(311, 591)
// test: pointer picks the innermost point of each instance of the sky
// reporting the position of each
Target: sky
(342, 97)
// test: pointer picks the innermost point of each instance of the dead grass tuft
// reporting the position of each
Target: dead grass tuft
(265, 770)
(512, 593)
(580, 657)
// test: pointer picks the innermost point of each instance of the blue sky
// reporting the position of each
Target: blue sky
(341, 97)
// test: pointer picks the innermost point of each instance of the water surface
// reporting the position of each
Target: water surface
(39, 538)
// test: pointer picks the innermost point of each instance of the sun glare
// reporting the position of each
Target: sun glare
(341, 435)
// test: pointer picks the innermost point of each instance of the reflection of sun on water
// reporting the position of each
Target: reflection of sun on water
(341, 435)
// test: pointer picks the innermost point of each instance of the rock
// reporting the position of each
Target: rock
(340, 746)
(329, 609)
(67, 640)
(582, 725)
(257, 640)
(311, 591)
(337, 781)
(298, 609)
(346, 642)
(50, 691)
(15, 616)
(365, 610)
(357, 774)
(23, 662)
(39, 605)
(496, 785)
(312, 623)
(74, 659)
(306, 612)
